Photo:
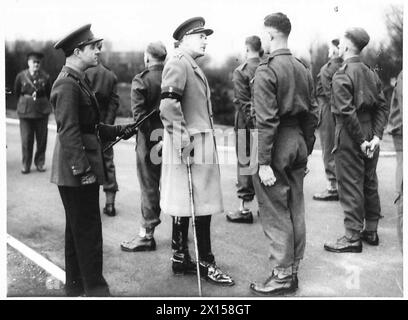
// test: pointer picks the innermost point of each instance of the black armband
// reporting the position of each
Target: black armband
(170, 95)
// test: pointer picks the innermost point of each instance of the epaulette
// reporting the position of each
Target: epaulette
(304, 64)
(145, 71)
(242, 66)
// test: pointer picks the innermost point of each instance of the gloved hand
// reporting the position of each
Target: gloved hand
(108, 132)
(127, 131)
(87, 178)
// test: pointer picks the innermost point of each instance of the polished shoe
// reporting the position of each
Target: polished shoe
(25, 170)
(240, 216)
(109, 210)
(139, 244)
(327, 195)
(212, 273)
(371, 237)
(275, 285)
(344, 245)
(40, 168)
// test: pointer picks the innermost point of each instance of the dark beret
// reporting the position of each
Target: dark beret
(278, 21)
(77, 39)
(358, 36)
(157, 50)
(335, 42)
(191, 26)
(254, 42)
(35, 55)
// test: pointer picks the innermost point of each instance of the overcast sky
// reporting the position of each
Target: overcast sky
(130, 25)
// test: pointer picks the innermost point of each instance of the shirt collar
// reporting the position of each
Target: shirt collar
(79, 74)
(353, 59)
(279, 52)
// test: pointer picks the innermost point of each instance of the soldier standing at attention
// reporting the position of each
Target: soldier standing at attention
(186, 112)
(77, 164)
(395, 126)
(242, 78)
(145, 97)
(32, 87)
(286, 119)
(104, 84)
(361, 114)
(326, 121)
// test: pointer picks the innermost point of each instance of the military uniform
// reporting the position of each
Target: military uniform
(242, 78)
(145, 97)
(360, 113)
(395, 128)
(33, 109)
(286, 118)
(77, 155)
(326, 122)
(104, 84)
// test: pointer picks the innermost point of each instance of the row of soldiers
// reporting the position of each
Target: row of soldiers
(275, 96)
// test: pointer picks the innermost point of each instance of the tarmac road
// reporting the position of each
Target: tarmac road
(35, 216)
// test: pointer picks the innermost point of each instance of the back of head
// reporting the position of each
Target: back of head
(358, 36)
(157, 50)
(278, 21)
(254, 44)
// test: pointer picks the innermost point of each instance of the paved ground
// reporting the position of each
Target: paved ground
(35, 217)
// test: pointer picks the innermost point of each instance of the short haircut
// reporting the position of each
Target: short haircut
(254, 42)
(278, 21)
(157, 50)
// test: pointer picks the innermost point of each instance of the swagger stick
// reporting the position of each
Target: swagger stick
(190, 189)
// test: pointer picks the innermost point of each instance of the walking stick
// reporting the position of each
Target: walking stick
(190, 190)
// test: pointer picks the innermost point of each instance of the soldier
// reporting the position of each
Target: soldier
(395, 128)
(361, 113)
(244, 121)
(32, 87)
(104, 84)
(186, 112)
(286, 118)
(145, 97)
(77, 165)
(326, 121)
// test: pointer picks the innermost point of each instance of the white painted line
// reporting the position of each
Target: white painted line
(228, 149)
(38, 259)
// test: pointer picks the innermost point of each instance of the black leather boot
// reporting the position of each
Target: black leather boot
(208, 268)
(181, 261)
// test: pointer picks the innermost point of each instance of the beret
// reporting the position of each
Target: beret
(191, 26)
(157, 50)
(358, 36)
(78, 38)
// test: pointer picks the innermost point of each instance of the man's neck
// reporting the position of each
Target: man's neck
(252, 55)
(193, 54)
(278, 44)
(33, 72)
(350, 55)
(76, 65)
(154, 63)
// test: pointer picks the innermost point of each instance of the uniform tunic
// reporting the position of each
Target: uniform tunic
(326, 121)
(104, 84)
(33, 109)
(145, 97)
(286, 118)
(243, 78)
(361, 112)
(78, 149)
(189, 115)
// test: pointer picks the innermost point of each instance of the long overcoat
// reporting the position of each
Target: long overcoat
(186, 112)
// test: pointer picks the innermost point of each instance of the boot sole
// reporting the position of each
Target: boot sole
(326, 199)
(348, 250)
(281, 292)
(376, 243)
(240, 221)
(137, 250)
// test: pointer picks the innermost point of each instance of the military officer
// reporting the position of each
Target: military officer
(145, 97)
(242, 78)
(395, 129)
(77, 165)
(286, 118)
(326, 121)
(361, 113)
(104, 84)
(186, 112)
(32, 87)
